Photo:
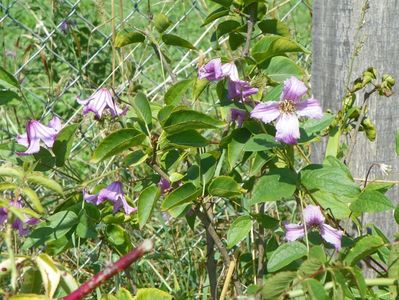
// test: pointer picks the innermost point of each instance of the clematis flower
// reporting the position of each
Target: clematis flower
(18, 224)
(99, 101)
(36, 131)
(314, 219)
(164, 185)
(238, 116)
(212, 70)
(240, 89)
(287, 111)
(114, 193)
(230, 70)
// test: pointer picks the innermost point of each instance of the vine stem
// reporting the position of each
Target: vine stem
(251, 22)
(101, 277)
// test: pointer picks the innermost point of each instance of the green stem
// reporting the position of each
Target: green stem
(11, 256)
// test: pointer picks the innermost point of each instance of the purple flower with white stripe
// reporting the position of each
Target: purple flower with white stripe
(114, 193)
(36, 132)
(287, 111)
(240, 89)
(99, 101)
(212, 70)
(238, 116)
(314, 219)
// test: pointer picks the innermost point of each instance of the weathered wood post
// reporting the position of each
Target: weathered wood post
(335, 39)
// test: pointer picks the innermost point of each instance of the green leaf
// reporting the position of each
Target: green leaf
(199, 87)
(187, 138)
(276, 285)
(270, 46)
(393, 267)
(44, 160)
(34, 198)
(266, 221)
(12, 172)
(236, 40)
(285, 254)
(31, 282)
(224, 186)
(118, 238)
(238, 230)
(335, 204)
(316, 290)
(174, 40)
(135, 158)
(7, 96)
(185, 119)
(227, 27)
(273, 26)
(38, 178)
(363, 248)
(175, 93)
(331, 179)
(396, 214)
(50, 274)
(278, 184)
(127, 38)
(68, 283)
(63, 144)
(9, 78)
(313, 126)
(182, 195)
(28, 297)
(146, 203)
(216, 14)
(117, 142)
(235, 147)
(152, 294)
(281, 68)
(123, 294)
(225, 3)
(161, 22)
(142, 108)
(371, 201)
(309, 267)
(261, 142)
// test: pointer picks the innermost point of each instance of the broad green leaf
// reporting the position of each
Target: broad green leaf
(135, 158)
(313, 126)
(7, 96)
(88, 219)
(127, 38)
(185, 119)
(50, 274)
(44, 160)
(182, 195)
(31, 281)
(236, 40)
(216, 14)
(199, 87)
(34, 198)
(270, 46)
(285, 254)
(208, 166)
(225, 3)
(227, 27)
(371, 202)
(266, 221)
(276, 285)
(63, 144)
(330, 179)
(238, 230)
(261, 142)
(281, 68)
(174, 40)
(363, 247)
(12, 172)
(175, 93)
(316, 290)
(309, 267)
(152, 294)
(38, 178)
(146, 203)
(235, 148)
(273, 26)
(334, 204)
(142, 108)
(118, 238)
(161, 22)
(9, 78)
(123, 294)
(68, 283)
(187, 138)
(278, 184)
(396, 214)
(224, 186)
(117, 142)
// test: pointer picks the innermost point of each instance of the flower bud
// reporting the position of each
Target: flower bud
(348, 101)
(369, 129)
(390, 81)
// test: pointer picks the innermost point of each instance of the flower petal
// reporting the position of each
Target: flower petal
(55, 123)
(331, 235)
(267, 112)
(212, 70)
(312, 215)
(240, 89)
(22, 139)
(230, 70)
(287, 127)
(45, 133)
(294, 232)
(294, 89)
(309, 108)
(90, 198)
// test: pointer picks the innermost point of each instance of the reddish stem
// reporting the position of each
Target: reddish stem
(110, 271)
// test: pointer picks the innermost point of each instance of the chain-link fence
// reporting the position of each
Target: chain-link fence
(63, 48)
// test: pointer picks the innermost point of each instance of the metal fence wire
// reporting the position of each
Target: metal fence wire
(60, 49)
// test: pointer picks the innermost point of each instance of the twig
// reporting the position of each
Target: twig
(210, 258)
(251, 22)
(261, 250)
(228, 279)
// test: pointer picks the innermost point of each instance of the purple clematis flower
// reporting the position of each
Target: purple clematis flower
(36, 131)
(314, 219)
(100, 100)
(287, 111)
(114, 193)
(240, 89)
(238, 116)
(212, 70)
(17, 224)
(164, 185)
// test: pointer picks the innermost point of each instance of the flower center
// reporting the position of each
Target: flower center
(287, 106)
